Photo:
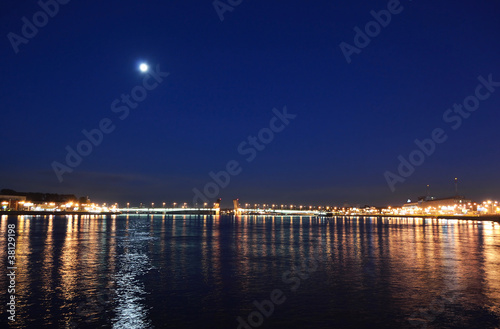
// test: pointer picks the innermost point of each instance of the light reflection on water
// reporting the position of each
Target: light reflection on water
(133, 263)
(202, 271)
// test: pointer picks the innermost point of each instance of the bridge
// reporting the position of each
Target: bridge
(217, 211)
(272, 211)
(279, 212)
(179, 211)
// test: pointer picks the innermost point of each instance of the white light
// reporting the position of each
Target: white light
(143, 67)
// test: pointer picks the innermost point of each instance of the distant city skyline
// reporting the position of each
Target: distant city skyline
(324, 103)
(455, 189)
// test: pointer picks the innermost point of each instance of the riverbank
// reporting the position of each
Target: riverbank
(495, 218)
(61, 213)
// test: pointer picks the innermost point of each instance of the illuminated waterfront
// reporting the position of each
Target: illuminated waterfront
(142, 271)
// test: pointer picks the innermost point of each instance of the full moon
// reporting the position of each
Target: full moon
(143, 67)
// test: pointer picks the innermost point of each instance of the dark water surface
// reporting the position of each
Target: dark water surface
(272, 272)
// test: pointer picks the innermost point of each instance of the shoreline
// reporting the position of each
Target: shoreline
(484, 218)
(49, 213)
(494, 218)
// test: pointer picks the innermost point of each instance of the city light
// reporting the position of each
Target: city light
(428, 208)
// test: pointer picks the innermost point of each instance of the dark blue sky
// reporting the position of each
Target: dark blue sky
(352, 120)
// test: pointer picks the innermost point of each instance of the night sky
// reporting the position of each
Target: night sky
(351, 121)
